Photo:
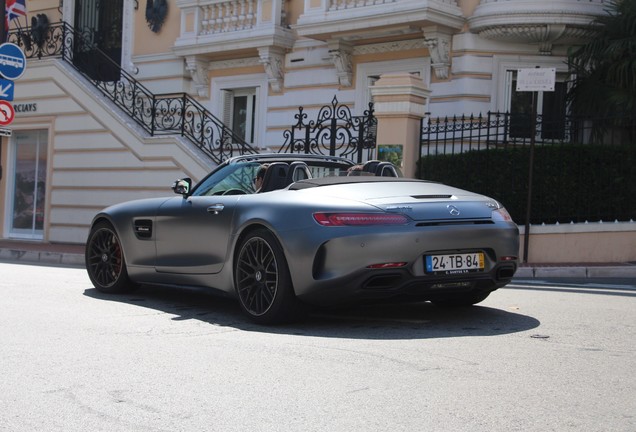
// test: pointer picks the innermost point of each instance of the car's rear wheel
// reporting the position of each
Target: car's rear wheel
(262, 280)
(460, 300)
(105, 261)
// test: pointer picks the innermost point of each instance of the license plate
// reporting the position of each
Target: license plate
(455, 263)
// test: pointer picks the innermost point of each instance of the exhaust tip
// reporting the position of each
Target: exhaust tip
(505, 272)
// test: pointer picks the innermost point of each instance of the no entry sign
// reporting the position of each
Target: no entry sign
(7, 114)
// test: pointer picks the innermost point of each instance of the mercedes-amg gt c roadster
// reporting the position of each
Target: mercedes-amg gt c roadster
(313, 230)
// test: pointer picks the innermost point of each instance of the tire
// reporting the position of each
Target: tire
(105, 261)
(262, 281)
(462, 300)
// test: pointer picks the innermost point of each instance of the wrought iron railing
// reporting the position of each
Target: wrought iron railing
(162, 114)
(335, 132)
(502, 129)
(583, 167)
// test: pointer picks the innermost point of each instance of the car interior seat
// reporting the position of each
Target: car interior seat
(298, 171)
(386, 169)
(275, 177)
(370, 166)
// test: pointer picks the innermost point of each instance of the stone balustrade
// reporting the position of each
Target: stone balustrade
(228, 16)
(214, 17)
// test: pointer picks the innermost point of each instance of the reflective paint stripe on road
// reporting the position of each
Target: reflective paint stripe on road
(583, 288)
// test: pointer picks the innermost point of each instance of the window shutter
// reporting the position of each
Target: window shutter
(509, 80)
(226, 107)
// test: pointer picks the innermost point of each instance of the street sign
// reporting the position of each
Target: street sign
(12, 61)
(5, 132)
(536, 79)
(6, 89)
(7, 114)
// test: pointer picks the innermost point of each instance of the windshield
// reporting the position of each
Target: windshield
(239, 178)
(234, 177)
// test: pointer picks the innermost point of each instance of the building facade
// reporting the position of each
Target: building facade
(251, 64)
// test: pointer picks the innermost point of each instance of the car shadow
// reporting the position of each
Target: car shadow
(390, 321)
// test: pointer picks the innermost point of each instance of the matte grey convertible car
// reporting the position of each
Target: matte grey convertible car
(313, 234)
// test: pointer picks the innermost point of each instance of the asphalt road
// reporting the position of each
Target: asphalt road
(535, 356)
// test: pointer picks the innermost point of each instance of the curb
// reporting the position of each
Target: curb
(577, 272)
(37, 257)
(527, 272)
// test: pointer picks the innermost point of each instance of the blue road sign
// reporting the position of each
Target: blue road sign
(6, 89)
(12, 61)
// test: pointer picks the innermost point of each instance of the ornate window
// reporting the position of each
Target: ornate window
(240, 101)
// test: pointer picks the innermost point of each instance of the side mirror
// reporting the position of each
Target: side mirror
(182, 186)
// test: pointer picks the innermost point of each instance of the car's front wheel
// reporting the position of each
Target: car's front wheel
(262, 280)
(105, 262)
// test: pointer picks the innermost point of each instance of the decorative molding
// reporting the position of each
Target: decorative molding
(439, 46)
(379, 48)
(341, 54)
(198, 69)
(273, 59)
(544, 24)
(235, 63)
(544, 35)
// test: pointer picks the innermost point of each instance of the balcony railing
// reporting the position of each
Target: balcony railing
(164, 114)
(210, 26)
(228, 16)
(328, 19)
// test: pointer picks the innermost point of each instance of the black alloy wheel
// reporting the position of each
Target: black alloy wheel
(262, 280)
(105, 262)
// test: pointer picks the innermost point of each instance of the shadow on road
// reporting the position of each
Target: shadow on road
(380, 321)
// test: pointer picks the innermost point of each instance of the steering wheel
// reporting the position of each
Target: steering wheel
(234, 192)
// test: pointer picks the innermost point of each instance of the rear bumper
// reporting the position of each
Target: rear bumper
(340, 266)
(402, 284)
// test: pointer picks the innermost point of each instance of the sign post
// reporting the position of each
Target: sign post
(534, 80)
(12, 65)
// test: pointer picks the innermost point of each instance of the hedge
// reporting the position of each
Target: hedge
(571, 183)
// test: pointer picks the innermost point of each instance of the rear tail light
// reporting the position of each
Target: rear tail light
(360, 219)
(508, 258)
(501, 215)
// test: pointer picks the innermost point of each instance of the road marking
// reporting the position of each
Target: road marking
(603, 289)
(592, 285)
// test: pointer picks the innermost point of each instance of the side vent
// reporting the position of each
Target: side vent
(143, 228)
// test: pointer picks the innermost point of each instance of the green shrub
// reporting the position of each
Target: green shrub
(571, 183)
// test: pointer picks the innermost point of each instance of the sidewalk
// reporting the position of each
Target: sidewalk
(73, 255)
(43, 253)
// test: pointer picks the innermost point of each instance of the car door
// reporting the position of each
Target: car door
(192, 234)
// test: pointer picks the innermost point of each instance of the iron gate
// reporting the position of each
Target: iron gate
(335, 132)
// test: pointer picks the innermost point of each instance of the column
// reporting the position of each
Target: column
(400, 105)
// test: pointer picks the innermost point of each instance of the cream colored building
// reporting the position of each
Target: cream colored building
(252, 63)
